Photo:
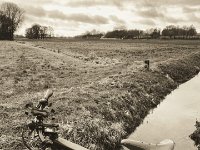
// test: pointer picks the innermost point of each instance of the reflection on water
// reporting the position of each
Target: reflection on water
(174, 118)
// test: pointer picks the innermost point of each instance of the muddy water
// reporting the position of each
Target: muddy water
(174, 118)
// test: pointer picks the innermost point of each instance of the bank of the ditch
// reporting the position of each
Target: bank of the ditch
(115, 106)
(195, 136)
(96, 115)
(132, 96)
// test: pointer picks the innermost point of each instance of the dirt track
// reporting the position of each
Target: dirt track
(101, 89)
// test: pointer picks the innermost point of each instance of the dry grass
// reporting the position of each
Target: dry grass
(101, 89)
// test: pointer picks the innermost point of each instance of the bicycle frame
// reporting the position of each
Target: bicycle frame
(45, 133)
(67, 144)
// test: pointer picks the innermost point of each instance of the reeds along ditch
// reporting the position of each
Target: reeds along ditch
(195, 136)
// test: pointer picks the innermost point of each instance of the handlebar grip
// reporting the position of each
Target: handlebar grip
(37, 112)
(48, 94)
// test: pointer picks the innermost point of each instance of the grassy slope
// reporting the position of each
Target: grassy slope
(102, 91)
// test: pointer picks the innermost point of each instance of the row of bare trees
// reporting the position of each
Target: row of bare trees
(94, 34)
(179, 32)
(171, 31)
(39, 32)
(133, 34)
(11, 17)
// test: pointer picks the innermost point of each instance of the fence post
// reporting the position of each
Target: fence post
(147, 64)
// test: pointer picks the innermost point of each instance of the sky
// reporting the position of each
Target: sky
(75, 17)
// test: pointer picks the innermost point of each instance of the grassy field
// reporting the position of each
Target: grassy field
(102, 91)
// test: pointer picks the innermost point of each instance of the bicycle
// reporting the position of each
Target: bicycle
(37, 135)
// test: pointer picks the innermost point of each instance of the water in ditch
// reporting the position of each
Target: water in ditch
(174, 118)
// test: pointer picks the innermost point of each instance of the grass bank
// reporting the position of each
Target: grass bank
(102, 91)
(118, 113)
(195, 135)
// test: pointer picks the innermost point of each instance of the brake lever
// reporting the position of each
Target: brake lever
(53, 111)
(42, 103)
(26, 113)
(50, 104)
(29, 105)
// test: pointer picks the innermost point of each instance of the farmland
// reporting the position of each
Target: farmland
(102, 91)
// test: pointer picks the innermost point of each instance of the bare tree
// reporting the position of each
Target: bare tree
(43, 32)
(29, 33)
(176, 31)
(39, 32)
(36, 31)
(15, 15)
(4, 27)
(50, 32)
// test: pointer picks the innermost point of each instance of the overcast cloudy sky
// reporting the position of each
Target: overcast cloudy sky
(73, 17)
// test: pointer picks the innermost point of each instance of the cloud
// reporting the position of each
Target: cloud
(172, 19)
(149, 22)
(154, 3)
(32, 12)
(120, 27)
(150, 13)
(185, 2)
(159, 14)
(35, 11)
(190, 9)
(116, 19)
(87, 19)
(193, 18)
(55, 14)
(23, 3)
(124, 3)
(78, 17)
(91, 3)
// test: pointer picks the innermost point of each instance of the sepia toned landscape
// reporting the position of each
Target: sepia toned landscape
(102, 90)
(99, 75)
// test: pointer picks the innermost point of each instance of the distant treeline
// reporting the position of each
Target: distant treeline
(169, 32)
(90, 36)
(178, 32)
(39, 32)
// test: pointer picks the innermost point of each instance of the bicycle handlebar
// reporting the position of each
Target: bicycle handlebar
(41, 113)
(48, 94)
(41, 104)
(44, 102)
